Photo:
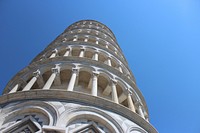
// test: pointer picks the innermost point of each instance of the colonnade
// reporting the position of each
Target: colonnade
(109, 61)
(91, 39)
(94, 87)
(92, 32)
(90, 26)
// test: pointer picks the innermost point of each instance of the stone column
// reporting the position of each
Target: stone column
(14, 89)
(96, 56)
(43, 57)
(94, 83)
(49, 82)
(73, 79)
(109, 61)
(120, 69)
(140, 111)
(114, 91)
(32, 81)
(75, 38)
(86, 39)
(130, 102)
(67, 52)
(81, 53)
(54, 53)
(64, 39)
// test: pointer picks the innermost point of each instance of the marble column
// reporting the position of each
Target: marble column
(130, 102)
(54, 53)
(86, 39)
(81, 53)
(67, 52)
(109, 61)
(141, 111)
(75, 39)
(114, 91)
(94, 83)
(72, 80)
(120, 69)
(97, 42)
(64, 39)
(96, 56)
(32, 81)
(50, 81)
(14, 89)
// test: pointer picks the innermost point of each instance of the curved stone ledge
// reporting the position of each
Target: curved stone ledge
(125, 65)
(71, 59)
(52, 47)
(106, 30)
(87, 28)
(77, 97)
(114, 44)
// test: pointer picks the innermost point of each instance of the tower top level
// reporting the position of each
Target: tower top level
(93, 24)
(81, 77)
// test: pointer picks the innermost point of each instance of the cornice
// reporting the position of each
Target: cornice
(67, 96)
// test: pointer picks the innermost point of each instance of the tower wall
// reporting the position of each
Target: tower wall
(80, 83)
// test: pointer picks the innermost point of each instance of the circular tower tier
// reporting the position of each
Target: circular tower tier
(80, 83)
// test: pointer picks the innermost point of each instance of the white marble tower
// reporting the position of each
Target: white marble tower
(80, 83)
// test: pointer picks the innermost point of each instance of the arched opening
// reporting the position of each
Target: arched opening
(111, 47)
(81, 38)
(113, 62)
(35, 86)
(103, 83)
(65, 76)
(83, 82)
(92, 40)
(88, 54)
(19, 87)
(62, 52)
(75, 51)
(46, 75)
(92, 121)
(25, 120)
(102, 57)
(87, 126)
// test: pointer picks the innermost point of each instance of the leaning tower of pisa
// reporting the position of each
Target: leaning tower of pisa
(80, 83)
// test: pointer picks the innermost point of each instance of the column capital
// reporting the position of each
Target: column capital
(113, 81)
(68, 48)
(75, 70)
(86, 36)
(55, 51)
(82, 49)
(36, 73)
(96, 51)
(56, 69)
(64, 39)
(43, 56)
(129, 91)
(138, 103)
(109, 57)
(95, 73)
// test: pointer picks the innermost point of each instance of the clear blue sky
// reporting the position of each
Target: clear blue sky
(160, 39)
